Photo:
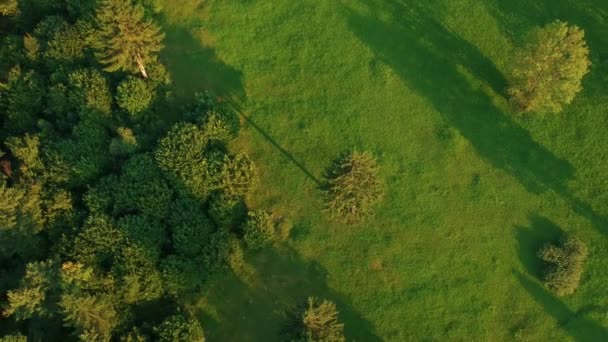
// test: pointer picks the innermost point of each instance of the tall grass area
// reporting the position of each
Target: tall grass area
(473, 188)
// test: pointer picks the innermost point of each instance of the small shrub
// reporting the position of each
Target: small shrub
(565, 263)
(259, 229)
(318, 322)
(354, 187)
(180, 328)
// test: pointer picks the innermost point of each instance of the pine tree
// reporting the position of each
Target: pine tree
(320, 322)
(125, 40)
(546, 73)
(354, 187)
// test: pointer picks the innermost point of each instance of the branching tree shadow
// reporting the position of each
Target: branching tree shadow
(438, 63)
(579, 327)
(256, 306)
(531, 239)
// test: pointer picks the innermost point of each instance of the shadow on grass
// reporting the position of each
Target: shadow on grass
(438, 64)
(196, 68)
(517, 17)
(273, 142)
(575, 324)
(256, 304)
(531, 239)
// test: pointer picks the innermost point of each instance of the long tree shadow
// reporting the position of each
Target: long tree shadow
(256, 304)
(531, 239)
(288, 155)
(196, 68)
(438, 63)
(579, 327)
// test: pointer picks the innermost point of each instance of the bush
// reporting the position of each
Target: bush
(546, 73)
(180, 328)
(318, 322)
(134, 95)
(565, 263)
(259, 229)
(354, 187)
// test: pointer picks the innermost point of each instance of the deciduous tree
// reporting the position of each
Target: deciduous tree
(546, 73)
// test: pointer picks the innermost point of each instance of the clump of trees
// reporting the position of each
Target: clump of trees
(354, 187)
(564, 265)
(547, 72)
(104, 208)
(316, 321)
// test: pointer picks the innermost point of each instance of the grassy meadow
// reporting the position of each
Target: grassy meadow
(473, 188)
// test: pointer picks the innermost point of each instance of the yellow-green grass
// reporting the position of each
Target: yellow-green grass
(473, 188)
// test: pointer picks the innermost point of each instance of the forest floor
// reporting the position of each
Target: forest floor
(473, 188)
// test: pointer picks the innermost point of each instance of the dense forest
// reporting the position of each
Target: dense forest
(115, 199)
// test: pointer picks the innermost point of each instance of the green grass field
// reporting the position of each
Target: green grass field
(473, 189)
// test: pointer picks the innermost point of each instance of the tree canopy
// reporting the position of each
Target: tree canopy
(547, 71)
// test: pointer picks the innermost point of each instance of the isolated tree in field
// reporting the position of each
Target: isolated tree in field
(565, 263)
(320, 323)
(126, 40)
(547, 72)
(354, 187)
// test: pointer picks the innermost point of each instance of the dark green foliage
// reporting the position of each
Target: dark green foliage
(82, 158)
(63, 42)
(181, 274)
(125, 40)
(143, 188)
(121, 220)
(547, 72)
(98, 243)
(180, 328)
(354, 187)
(226, 211)
(23, 102)
(565, 265)
(138, 277)
(134, 95)
(259, 229)
(144, 232)
(191, 229)
(124, 144)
